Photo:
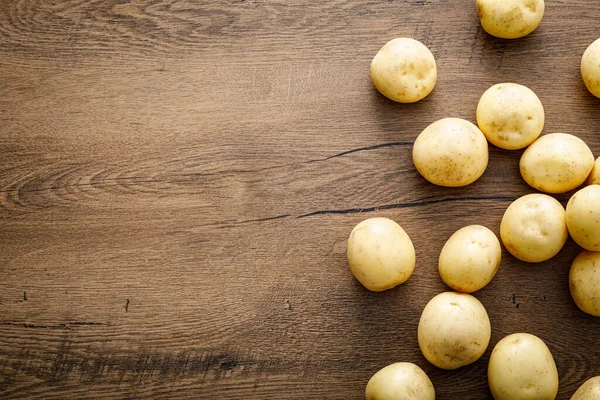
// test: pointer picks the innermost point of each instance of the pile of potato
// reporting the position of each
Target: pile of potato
(454, 329)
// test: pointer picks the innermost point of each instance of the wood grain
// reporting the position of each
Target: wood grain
(179, 178)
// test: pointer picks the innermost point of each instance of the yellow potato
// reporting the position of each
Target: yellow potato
(380, 254)
(556, 163)
(470, 258)
(583, 217)
(590, 68)
(534, 227)
(590, 390)
(584, 282)
(510, 19)
(594, 177)
(521, 367)
(404, 70)
(400, 381)
(454, 330)
(451, 152)
(510, 116)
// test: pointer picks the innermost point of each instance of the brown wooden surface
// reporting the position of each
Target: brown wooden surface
(178, 180)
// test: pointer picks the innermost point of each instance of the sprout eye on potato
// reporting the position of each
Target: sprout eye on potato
(380, 254)
(590, 390)
(404, 70)
(534, 227)
(590, 68)
(510, 116)
(510, 19)
(470, 258)
(454, 330)
(584, 282)
(583, 217)
(556, 163)
(451, 152)
(400, 381)
(521, 367)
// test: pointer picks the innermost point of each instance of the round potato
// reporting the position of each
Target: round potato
(451, 152)
(590, 68)
(510, 19)
(470, 258)
(594, 177)
(380, 254)
(400, 381)
(584, 282)
(583, 217)
(534, 228)
(510, 116)
(590, 390)
(454, 330)
(556, 163)
(404, 70)
(521, 367)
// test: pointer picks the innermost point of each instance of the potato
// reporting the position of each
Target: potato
(451, 152)
(583, 217)
(590, 390)
(470, 258)
(404, 70)
(510, 19)
(584, 282)
(521, 367)
(454, 330)
(380, 254)
(556, 163)
(590, 68)
(400, 381)
(594, 177)
(510, 116)
(534, 228)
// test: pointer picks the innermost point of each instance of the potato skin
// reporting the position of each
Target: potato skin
(380, 254)
(454, 330)
(521, 367)
(590, 68)
(583, 217)
(584, 282)
(470, 258)
(451, 152)
(510, 19)
(510, 116)
(400, 381)
(590, 390)
(534, 228)
(594, 177)
(556, 163)
(404, 70)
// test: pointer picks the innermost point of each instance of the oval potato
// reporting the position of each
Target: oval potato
(590, 390)
(510, 19)
(556, 163)
(594, 177)
(521, 367)
(404, 70)
(583, 217)
(584, 282)
(380, 254)
(590, 68)
(400, 381)
(451, 152)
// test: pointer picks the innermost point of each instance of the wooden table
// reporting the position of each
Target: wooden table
(179, 178)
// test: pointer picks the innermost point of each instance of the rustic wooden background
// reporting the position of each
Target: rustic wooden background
(178, 180)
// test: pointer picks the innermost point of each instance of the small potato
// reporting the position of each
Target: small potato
(534, 228)
(556, 163)
(451, 152)
(521, 367)
(584, 282)
(404, 70)
(380, 254)
(594, 177)
(510, 19)
(510, 116)
(454, 330)
(470, 258)
(583, 217)
(590, 390)
(400, 381)
(590, 68)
